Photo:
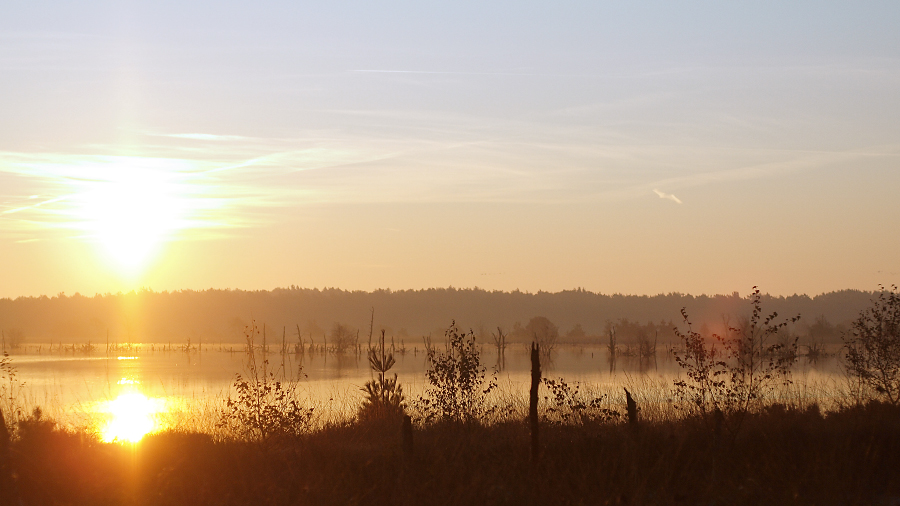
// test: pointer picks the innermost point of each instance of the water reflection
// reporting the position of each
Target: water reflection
(131, 416)
(193, 384)
(342, 365)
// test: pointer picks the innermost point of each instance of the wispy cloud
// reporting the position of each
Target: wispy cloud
(255, 181)
(76, 194)
(457, 73)
(205, 137)
(668, 196)
(779, 163)
(29, 207)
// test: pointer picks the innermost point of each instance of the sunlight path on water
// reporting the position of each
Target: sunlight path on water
(146, 390)
(132, 416)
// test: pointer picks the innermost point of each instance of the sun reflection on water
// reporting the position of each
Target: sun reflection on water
(131, 416)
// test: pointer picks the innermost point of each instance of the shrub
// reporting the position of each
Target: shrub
(36, 425)
(11, 389)
(265, 405)
(569, 405)
(459, 383)
(702, 390)
(751, 362)
(873, 348)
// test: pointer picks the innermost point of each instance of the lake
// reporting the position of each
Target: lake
(87, 386)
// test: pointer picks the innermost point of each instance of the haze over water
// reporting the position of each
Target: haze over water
(642, 148)
(250, 252)
(79, 388)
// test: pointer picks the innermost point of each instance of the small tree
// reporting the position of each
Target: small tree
(342, 338)
(14, 338)
(743, 371)
(459, 383)
(384, 395)
(704, 386)
(873, 347)
(822, 330)
(576, 334)
(544, 332)
(265, 405)
(761, 352)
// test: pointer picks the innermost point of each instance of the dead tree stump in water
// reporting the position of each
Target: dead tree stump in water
(533, 399)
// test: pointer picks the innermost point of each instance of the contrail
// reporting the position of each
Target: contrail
(376, 71)
(204, 137)
(33, 206)
(669, 196)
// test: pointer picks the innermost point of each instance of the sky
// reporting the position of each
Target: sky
(623, 147)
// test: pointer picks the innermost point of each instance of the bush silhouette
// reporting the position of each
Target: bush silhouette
(873, 348)
(459, 383)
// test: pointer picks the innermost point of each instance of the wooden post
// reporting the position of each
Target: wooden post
(407, 435)
(533, 399)
(718, 422)
(631, 408)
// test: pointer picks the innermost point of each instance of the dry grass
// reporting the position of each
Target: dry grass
(807, 443)
(781, 456)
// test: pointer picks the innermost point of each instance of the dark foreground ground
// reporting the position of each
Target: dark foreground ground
(777, 457)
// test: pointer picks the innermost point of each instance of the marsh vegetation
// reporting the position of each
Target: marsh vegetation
(734, 428)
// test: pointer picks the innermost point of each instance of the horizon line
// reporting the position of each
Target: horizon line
(516, 291)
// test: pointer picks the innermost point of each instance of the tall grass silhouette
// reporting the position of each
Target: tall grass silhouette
(473, 445)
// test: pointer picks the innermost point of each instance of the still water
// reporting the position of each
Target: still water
(139, 388)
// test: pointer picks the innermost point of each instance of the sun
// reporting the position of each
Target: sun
(128, 208)
(131, 208)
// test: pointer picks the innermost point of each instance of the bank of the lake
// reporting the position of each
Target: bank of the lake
(779, 456)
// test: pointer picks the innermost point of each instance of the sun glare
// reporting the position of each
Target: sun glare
(131, 211)
(129, 207)
(132, 416)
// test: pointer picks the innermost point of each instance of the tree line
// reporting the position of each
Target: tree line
(217, 315)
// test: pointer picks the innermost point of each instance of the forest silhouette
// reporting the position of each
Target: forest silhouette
(221, 315)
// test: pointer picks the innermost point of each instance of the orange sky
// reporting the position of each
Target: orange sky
(636, 149)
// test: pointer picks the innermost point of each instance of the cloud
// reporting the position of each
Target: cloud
(34, 206)
(780, 163)
(204, 137)
(457, 73)
(66, 193)
(669, 196)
